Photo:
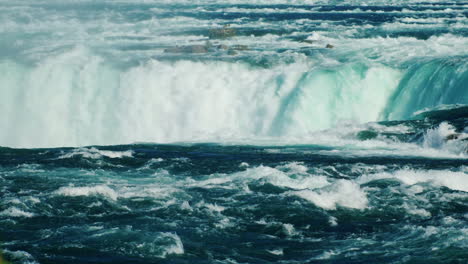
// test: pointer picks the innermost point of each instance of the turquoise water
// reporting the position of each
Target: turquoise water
(120, 145)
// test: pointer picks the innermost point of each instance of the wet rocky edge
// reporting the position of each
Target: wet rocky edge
(221, 34)
(216, 33)
(417, 129)
(208, 47)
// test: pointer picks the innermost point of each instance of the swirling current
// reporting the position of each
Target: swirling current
(233, 131)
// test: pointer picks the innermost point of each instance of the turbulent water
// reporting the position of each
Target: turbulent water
(122, 145)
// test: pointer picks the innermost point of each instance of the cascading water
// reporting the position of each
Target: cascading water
(428, 85)
(80, 99)
(77, 98)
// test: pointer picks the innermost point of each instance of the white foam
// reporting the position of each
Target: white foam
(277, 252)
(30, 168)
(150, 163)
(244, 165)
(225, 223)
(455, 180)
(186, 206)
(430, 230)
(16, 212)
(101, 190)
(436, 138)
(214, 208)
(20, 256)
(289, 230)
(412, 209)
(291, 175)
(450, 221)
(424, 20)
(327, 254)
(318, 189)
(177, 248)
(158, 190)
(341, 193)
(333, 221)
(93, 153)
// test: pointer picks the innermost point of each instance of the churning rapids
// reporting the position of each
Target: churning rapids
(216, 131)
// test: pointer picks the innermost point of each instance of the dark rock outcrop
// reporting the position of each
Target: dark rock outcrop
(222, 33)
(188, 49)
(367, 135)
(232, 52)
(222, 47)
(240, 47)
(457, 136)
(208, 47)
(452, 137)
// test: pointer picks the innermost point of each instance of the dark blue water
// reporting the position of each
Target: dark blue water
(211, 203)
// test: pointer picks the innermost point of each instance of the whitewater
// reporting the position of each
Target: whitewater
(216, 131)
